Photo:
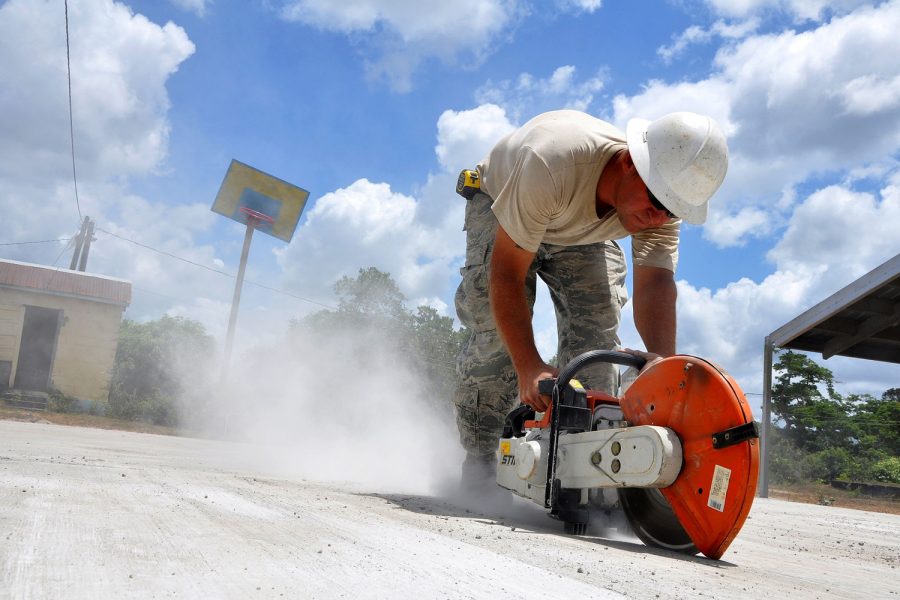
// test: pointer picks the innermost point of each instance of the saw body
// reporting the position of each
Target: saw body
(684, 460)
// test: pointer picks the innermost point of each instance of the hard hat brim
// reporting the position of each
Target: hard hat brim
(635, 137)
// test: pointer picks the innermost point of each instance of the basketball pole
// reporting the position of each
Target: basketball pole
(236, 300)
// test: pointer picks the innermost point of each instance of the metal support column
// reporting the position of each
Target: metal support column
(236, 300)
(766, 419)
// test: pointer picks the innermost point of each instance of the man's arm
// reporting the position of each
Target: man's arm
(509, 268)
(654, 308)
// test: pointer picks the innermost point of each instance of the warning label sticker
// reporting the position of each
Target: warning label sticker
(719, 488)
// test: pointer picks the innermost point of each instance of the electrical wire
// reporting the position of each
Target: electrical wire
(217, 271)
(442, 366)
(230, 275)
(248, 281)
(58, 269)
(61, 252)
(71, 119)
(35, 242)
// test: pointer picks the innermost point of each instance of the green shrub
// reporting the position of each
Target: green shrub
(60, 402)
(887, 470)
(828, 464)
(786, 461)
(158, 365)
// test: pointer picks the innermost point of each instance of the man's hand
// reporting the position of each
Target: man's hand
(650, 357)
(528, 386)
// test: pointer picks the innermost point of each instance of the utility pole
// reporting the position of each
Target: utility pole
(79, 240)
(86, 244)
(82, 245)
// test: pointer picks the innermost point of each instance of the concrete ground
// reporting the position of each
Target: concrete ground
(88, 513)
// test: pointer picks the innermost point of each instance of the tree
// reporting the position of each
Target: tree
(878, 420)
(158, 364)
(815, 417)
(372, 313)
(369, 302)
(436, 345)
(825, 435)
(371, 292)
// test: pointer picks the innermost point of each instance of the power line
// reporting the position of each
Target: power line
(71, 119)
(217, 271)
(163, 252)
(226, 274)
(35, 242)
(57, 269)
(58, 256)
(444, 367)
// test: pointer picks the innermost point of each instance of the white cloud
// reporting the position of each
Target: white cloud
(800, 10)
(698, 35)
(588, 6)
(733, 229)
(465, 137)
(405, 33)
(848, 231)
(527, 95)
(121, 63)
(869, 95)
(367, 224)
(793, 105)
(418, 240)
(834, 236)
(198, 7)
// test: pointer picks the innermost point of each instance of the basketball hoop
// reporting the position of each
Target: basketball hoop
(256, 216)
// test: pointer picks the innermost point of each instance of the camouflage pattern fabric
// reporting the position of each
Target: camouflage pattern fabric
(587, 285)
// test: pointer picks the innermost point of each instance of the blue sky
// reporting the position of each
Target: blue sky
(374, 105)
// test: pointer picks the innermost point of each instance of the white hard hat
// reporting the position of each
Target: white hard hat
(682, 158)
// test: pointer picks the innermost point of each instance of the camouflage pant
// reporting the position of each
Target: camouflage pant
(587, 285)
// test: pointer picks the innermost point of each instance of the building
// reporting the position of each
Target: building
(59, 329)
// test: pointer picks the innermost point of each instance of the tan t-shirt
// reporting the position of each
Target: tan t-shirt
(543, 179)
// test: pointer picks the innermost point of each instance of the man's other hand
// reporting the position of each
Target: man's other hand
(650, 357)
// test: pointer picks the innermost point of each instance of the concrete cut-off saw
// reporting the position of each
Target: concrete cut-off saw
(679, 448)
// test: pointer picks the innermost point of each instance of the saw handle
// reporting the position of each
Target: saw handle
(588, 358)
(545, 386)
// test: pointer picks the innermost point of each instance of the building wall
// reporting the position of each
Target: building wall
(86, 346)
(12, 319)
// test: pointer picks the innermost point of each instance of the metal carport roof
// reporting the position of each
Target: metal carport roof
(861, 320)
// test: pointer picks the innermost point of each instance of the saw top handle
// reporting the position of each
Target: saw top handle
(568, 372)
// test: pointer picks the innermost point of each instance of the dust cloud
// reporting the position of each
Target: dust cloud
(349, 409)
(340, 408)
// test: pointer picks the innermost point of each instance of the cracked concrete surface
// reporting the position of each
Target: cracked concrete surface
(89, 513)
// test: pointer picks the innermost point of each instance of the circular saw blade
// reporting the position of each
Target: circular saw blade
(653, 520)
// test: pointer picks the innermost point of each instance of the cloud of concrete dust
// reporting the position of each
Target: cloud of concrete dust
(341, 407)
(349, 408)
